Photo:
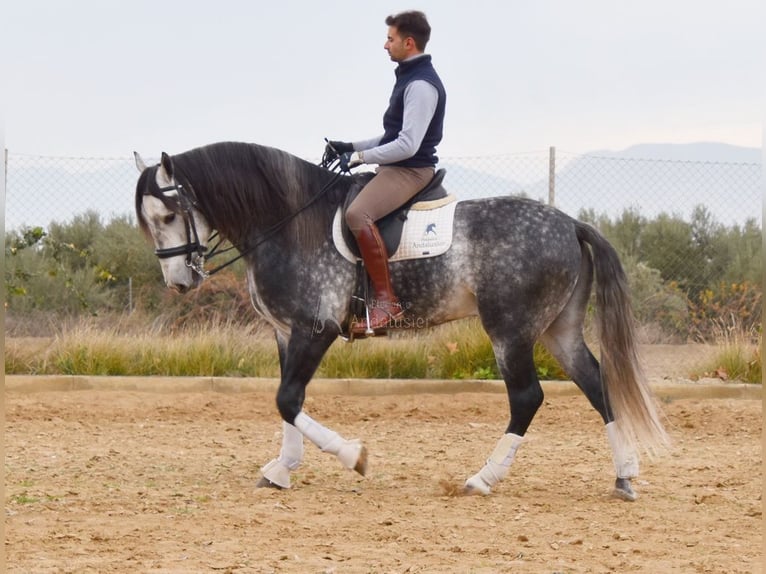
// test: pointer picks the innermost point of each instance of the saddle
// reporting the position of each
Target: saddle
(391, 225)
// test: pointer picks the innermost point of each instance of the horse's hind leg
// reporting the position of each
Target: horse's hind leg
(564, 339)
(525, 396)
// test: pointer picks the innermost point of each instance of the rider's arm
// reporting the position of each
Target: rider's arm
(420, 99)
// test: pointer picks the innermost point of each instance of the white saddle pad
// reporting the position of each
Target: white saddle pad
(427, 232)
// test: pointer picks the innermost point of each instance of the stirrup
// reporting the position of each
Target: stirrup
(364, 327)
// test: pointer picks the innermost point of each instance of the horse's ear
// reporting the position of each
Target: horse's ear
(167, 164)
(139, 162)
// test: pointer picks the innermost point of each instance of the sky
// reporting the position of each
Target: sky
(93, 78)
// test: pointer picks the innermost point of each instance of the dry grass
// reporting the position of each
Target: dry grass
(458, 350)
(739, 356)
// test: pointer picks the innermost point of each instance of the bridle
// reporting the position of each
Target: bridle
(196, 253)
(193, 248)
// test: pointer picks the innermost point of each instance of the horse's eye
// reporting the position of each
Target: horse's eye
(169, 218)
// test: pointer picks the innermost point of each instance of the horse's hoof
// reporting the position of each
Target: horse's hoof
(266, 483)
(275, 475)
(469, 490)
(476, 485)
(361, 462)
(624, 490)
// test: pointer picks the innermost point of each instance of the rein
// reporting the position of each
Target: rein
(195, 251)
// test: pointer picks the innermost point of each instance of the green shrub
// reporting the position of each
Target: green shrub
(658, 306)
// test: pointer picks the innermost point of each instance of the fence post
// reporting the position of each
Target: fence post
(2, 319)
(552, 177)
(4, 200)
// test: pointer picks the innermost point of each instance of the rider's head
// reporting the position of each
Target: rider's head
(408, 34)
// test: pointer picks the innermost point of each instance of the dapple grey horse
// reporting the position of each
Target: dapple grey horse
(526, 269)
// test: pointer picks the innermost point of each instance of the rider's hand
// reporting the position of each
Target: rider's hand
(349, 160)
(355, 159)
(341, 147)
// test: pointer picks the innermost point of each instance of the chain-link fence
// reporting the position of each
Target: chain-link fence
(40, 190)
(610, 185)
(694, 224)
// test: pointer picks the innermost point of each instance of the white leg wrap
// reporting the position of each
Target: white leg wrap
(624, 457)
(497, 466)
(290, 457)
(327, 440)
(291, 454)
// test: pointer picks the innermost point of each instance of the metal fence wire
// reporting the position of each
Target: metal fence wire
(41, 190)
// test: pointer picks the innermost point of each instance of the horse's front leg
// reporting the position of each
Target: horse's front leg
(299, 358)
(276, 473)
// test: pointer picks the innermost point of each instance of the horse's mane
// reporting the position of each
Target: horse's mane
(244, 189)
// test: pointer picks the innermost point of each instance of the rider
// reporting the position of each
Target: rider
(405, 154)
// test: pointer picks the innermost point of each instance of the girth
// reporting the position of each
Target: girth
(390, 226)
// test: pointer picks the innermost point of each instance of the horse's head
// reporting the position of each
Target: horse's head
(168, 214)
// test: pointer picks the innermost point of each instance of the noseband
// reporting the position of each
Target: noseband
(193, 249)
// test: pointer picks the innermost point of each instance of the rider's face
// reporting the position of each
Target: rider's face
(396, 46)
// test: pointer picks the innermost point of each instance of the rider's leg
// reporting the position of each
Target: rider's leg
(389, 189)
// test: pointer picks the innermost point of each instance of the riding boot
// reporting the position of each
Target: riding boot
(385, 307)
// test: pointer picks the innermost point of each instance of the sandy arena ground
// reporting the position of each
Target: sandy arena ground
(116, 481)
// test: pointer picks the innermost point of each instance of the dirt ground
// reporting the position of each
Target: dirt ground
(117, 481)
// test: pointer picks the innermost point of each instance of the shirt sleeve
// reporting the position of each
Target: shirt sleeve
(420, 100)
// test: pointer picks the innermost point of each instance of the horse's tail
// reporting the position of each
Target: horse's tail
(632, 402)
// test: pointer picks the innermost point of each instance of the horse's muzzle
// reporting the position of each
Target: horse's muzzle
(180, 288)
(185, 286)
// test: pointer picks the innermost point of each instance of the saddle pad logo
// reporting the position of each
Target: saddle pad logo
(429, 240)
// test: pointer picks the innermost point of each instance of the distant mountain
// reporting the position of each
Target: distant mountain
(649, 178)
(700, 151)
(469, 182)
(665, 178)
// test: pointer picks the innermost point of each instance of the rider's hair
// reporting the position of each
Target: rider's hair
(412, 24)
